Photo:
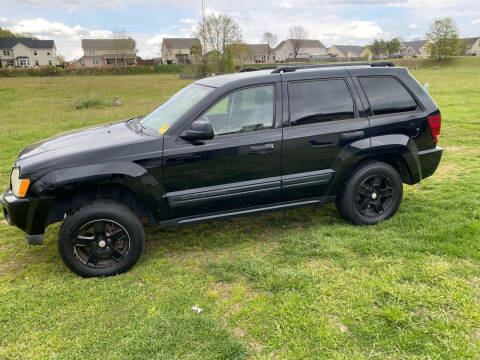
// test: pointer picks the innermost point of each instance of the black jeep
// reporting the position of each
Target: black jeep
(238, 144)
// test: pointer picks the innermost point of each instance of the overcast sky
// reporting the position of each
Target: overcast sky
(148, 21)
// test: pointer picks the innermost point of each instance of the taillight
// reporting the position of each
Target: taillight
(435, 123)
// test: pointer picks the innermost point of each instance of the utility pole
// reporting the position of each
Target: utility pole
(204, 47)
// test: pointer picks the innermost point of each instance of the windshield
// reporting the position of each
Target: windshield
(171, 110)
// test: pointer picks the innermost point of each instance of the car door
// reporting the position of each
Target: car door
(240, 167)
(325, 116)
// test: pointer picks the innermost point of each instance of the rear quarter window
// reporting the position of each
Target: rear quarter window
(387, 95)
(317, 101)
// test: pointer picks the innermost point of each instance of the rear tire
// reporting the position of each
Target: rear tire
(372, 193)
(101, 239)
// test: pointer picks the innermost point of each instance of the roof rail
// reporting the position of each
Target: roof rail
(258, 68)
(293, 68)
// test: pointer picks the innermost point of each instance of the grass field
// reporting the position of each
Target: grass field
(298, 284)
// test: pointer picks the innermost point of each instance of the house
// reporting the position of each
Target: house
(346, 51)
(177, 50)
(472, 46)
(411, 49)
(260, 53)
(27, 52)
(108, 52)
(308, 49)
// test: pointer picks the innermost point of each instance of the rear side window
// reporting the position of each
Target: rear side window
(319, 101)
(387, 95)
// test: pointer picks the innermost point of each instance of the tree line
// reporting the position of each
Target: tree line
(442, 41)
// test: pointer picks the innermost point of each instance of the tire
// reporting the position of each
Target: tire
(372, 193)
(101, 239)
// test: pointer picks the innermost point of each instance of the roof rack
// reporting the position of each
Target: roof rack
(258, 68)
(293, 68)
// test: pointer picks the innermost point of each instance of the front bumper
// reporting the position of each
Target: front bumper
(26, 214)
(429, 160)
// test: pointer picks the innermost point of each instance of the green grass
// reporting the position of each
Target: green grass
(298, 284)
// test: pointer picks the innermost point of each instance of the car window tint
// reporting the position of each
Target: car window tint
(387, 95)
(243, 111)
(320, 100)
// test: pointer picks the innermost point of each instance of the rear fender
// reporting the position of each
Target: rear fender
(375, 147)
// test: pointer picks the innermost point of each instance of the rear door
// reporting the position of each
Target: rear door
(325, 115)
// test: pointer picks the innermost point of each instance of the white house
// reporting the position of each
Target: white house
(27, 52)
(308, 49)
(108, 52)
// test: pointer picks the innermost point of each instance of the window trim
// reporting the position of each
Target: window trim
(370, 112)
(224, 136)
(344, 78)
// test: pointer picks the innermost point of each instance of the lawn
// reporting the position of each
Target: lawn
(297, 284)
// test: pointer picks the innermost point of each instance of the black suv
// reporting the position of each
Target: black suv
(230, 145)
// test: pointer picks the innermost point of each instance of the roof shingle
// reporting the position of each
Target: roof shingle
(8, 43)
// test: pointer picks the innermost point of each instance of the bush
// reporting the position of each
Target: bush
(128, 70)
(91, 103)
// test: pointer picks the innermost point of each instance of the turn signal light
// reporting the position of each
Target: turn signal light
(24, 185)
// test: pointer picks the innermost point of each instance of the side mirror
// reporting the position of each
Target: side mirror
(199, 130)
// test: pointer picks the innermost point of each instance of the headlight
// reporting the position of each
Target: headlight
(19, 186)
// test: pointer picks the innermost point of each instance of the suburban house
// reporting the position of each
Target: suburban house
(108, 52)
(345, 51)
(27, 52)
(472, 46)
(260, 53)
(411, 49)
(309, 49)
(177, 50)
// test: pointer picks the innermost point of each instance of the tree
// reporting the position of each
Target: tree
(297, 34)
(196, 52)
(219, 31)
(228, 61)
(378, 48)
(5, 33)
(124, 45)
(270, 40)
(392, 47)
(442, 39)
(241, 52)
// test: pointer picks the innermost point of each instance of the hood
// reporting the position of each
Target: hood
(94, 144)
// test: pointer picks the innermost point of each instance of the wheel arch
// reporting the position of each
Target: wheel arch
(68, 201)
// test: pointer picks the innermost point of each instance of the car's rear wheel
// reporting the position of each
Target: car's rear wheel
(101, 239)
(372, 193)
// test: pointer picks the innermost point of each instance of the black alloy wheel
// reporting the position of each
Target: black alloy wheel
(101, 243)
(372, 193)
(103, 238)
(374, 196)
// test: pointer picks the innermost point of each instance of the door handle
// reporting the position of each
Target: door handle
(352, 135)
(264, 147)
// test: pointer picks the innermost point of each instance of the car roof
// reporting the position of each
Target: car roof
(260, 75)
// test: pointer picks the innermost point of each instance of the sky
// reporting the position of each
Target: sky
(340, 22)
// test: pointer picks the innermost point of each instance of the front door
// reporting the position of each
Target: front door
(240, 167)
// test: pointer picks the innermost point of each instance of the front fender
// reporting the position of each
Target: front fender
(137, 179)
(57, 179)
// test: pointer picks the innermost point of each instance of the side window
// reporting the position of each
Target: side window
(243, 111)
(318, 101)
(387, 95)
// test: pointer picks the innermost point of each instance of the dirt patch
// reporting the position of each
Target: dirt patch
(335, 320)
(448, 171)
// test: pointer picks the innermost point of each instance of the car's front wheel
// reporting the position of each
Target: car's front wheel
(101, 239)
(372, 193)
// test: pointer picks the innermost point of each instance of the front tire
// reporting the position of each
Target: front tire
(101, 239)
(372, 193)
